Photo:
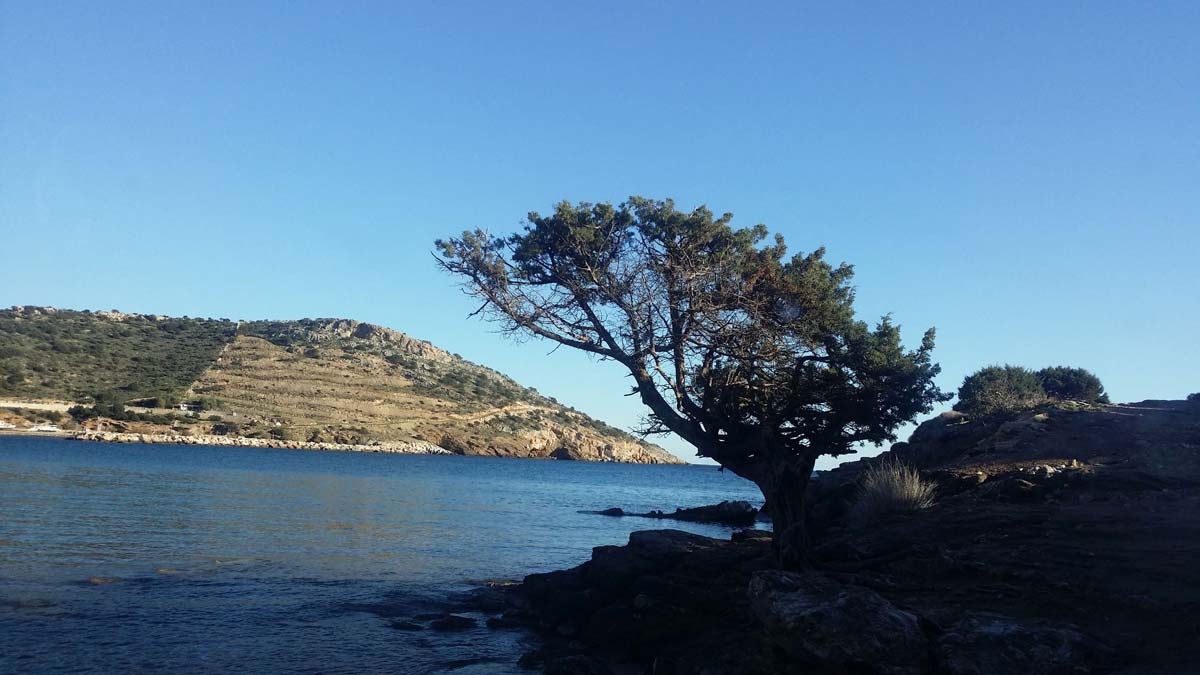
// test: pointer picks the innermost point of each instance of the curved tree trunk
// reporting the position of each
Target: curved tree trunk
(785, 488)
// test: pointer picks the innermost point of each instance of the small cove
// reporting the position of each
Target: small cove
(199, 559)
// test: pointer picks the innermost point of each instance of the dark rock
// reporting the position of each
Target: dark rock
(486, 598)
(452, 622)
(503, 623)
(836, 627)
(615, 567)
(751, 535)
(666, 546)
(576, 665)
(532, 660)
(614, 626)
(729, 513)
(992, 644)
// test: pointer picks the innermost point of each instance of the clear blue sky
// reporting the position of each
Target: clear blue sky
(1024, 176)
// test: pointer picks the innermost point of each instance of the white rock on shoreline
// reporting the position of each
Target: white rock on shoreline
(398, 447)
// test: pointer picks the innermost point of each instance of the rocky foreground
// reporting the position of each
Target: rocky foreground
(1064, 540)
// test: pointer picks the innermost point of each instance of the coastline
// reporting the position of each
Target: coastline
(389, 447)
(403, 448)
(1033, 559)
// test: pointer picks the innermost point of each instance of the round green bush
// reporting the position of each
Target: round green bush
(998, 389)
(1072, 384)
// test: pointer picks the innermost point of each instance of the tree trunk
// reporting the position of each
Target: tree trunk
(785, 488)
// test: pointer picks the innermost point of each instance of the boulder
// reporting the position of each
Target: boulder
(452, 622)
(727, 512)
(576, 664)
(613, 567)
(992, 644)
(836, 627)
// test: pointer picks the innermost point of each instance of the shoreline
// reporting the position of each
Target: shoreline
(385, 447)
(392, 447)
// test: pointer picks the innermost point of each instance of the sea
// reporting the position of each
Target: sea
(195, 559)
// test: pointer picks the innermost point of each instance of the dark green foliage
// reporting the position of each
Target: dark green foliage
(1004, 389)
(226, 429)
(81, 413)
(115, 411)
(999, 389)
(474, 386)
(1195, 398)
(71, 355)
(752, 355)
(1072, 384)
(161, 401)
(40, 416)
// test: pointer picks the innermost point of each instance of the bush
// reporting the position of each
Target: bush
(997, 389)
(1072, 384)
(1194, 398)
(890, 487)
(80, 413)
(226, 429)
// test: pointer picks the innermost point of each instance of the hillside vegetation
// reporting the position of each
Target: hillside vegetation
(319, 380)
(68, 355)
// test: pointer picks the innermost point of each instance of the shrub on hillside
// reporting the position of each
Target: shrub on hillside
(226, 429)
(1194, 398)
(998, 389)
(890, 487)
(1072, 384)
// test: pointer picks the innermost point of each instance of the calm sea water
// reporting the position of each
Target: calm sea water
(269, 561)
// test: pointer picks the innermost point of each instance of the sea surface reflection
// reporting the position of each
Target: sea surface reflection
(142, 558)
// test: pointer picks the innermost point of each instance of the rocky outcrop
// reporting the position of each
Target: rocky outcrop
(668, 601)
(991, 644)
(324, 331)
(409, 448)
(738, 513)
(1063, 540)
(559, 441)
(837, 626)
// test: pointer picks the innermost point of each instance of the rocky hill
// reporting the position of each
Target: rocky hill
(316, 381)
(1063, 539)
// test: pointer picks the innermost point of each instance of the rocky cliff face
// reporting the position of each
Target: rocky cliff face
(344, 331)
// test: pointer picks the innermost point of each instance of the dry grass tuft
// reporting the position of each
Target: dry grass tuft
(890, 487)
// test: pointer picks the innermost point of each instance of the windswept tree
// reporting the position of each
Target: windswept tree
(754, 358)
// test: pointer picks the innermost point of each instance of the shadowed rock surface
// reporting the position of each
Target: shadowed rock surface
(727, 513)
(1064, 540)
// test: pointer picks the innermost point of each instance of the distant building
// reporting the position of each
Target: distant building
(7, 425)
(45, 427)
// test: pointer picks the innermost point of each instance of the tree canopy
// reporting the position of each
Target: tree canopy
(753, 356)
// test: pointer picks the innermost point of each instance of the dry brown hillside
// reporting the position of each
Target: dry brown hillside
(334, 393)
(320, 380)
